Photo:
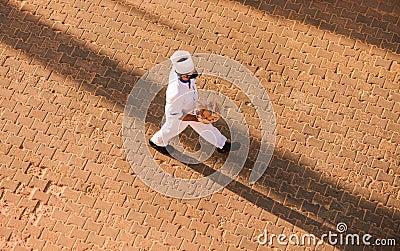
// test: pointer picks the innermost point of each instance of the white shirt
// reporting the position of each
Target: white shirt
(181, 98)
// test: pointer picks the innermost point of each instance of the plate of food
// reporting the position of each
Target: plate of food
(208, 113)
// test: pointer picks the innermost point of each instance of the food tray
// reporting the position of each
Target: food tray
(207, 116)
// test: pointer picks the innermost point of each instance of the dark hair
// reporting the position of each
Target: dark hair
(181, 60)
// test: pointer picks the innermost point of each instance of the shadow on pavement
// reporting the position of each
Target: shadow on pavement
(375, 22)
(66, 56)
(304, 198)
(293, 192)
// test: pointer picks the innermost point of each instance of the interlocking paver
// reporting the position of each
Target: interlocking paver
(330, 69)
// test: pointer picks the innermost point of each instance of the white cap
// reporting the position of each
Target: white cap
(182, 61)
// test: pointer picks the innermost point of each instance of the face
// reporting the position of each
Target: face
(187, 76)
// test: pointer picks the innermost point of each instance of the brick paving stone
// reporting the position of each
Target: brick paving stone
(330, 68)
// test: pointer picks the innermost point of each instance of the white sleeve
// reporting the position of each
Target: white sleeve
(173, 107)
(174, 102)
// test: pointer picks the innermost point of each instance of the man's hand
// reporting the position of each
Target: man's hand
(189, 117)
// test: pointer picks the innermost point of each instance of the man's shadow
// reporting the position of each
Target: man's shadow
(291, 191)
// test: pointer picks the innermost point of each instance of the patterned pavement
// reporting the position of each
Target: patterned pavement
(330, 68)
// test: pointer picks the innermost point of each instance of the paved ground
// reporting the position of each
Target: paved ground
(330, 68)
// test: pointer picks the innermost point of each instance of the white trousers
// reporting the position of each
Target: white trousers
(174, 126)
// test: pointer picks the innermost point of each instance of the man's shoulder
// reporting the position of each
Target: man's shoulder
(173, 90)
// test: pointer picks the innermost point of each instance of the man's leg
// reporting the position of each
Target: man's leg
(209, 133)
(170, 129)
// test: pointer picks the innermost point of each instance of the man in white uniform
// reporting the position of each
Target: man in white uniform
(181, 103)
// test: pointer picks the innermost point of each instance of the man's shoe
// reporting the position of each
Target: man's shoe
(161, 149)
(229, 147)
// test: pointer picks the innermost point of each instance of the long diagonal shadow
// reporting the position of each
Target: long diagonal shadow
(100, 75)
(374, 22)
(65, 55)
(295, 188)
